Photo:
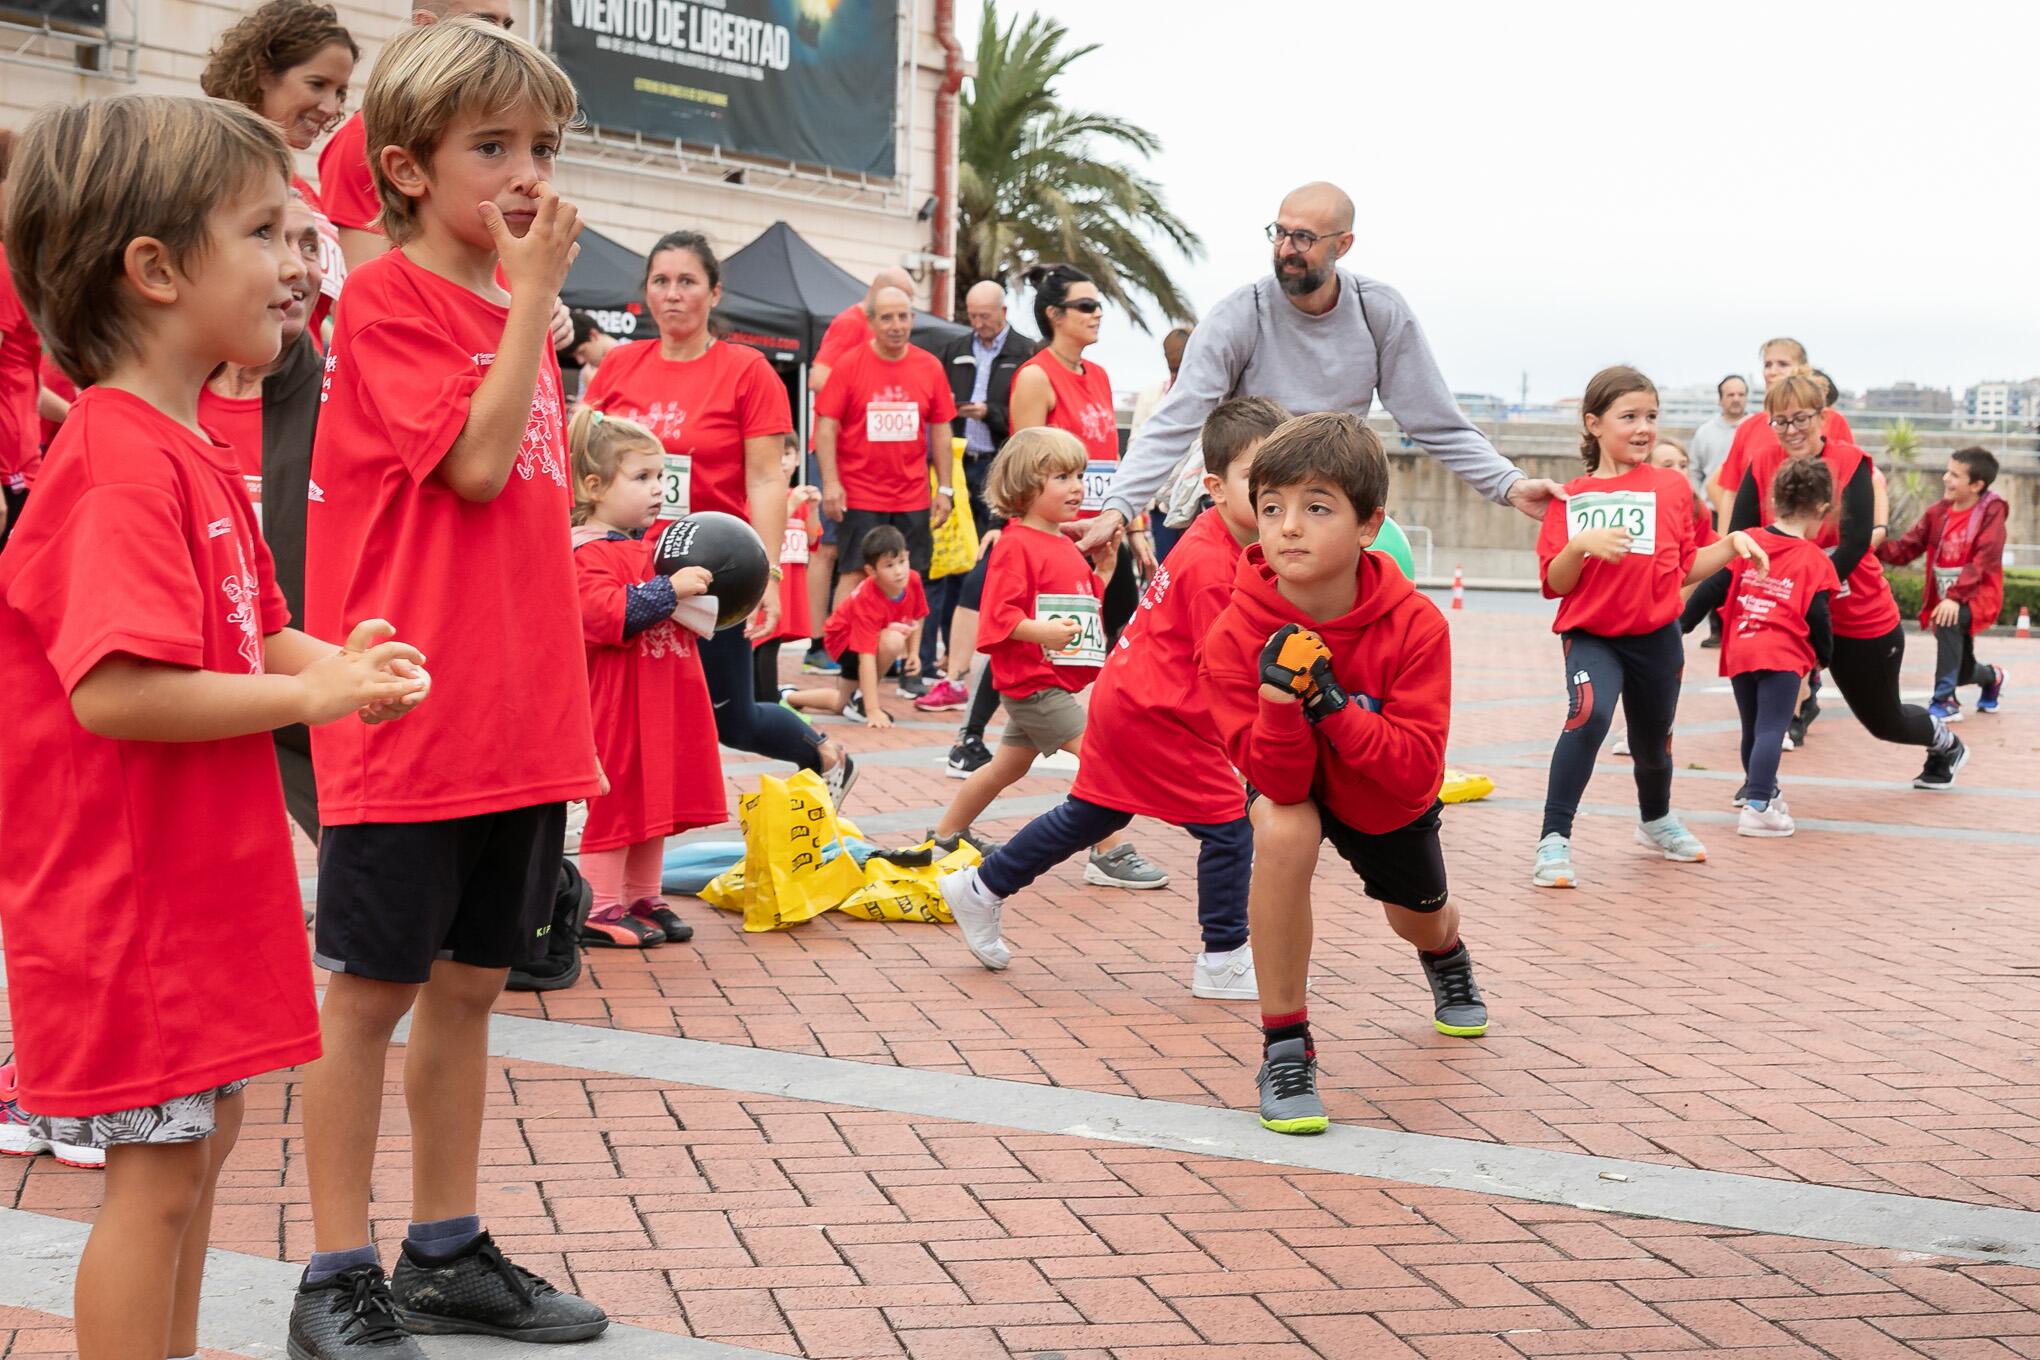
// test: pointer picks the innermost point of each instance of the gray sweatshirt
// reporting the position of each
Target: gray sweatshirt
(1257, 343)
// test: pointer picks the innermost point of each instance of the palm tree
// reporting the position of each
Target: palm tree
(1036, 183)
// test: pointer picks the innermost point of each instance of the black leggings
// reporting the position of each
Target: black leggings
(740, 720)
(1766, 700)
(1955, 662)
(1644, 673)
(1866, 672)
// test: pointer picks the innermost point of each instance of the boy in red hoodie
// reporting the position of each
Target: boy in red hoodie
(1330, 680)
(1963, 538)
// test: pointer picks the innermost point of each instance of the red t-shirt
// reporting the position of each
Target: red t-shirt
(884, 409)
(1764, 621)
(654, 724)
(1157, 752)
(703, 409)
(1083, 404)
(803, 530)
(850, 328)
(1863, 607)
(485, 589)
(1755, 435)
(1027, 563)
(54, 379)
(346, 186)
(1639, 594)
(20, 364)
(857, 622)
(190, 969)
(237, 423)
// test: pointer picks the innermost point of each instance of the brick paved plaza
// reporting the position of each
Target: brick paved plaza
(1782, 1104)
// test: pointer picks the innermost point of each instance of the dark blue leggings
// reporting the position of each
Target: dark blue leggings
(1225, 860)
(1642, 672)
(1767, 700)
(740, 720)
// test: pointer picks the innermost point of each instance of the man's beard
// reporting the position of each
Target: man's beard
(1299, 282)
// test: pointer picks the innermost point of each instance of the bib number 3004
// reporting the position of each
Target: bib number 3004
(1633, 512)
(892, 422)
(1088, 647)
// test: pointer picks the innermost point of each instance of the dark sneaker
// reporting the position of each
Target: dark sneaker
(819, 662)
(1948, 709)
(912, 687)
(946, 845)
(653, 911)
(839, 777)
(560, 966)
(1987, 702)
(349, 1317)
(1938, 774)
(1795, 735)
(479, 1293)
(1123, 867)
(1742, 796)
(1289, 1098)
(969, 753)
(620, 932)
(1456, 1005)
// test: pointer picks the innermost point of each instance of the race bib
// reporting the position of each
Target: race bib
(793, 549)
(676, 480)
(1088, 649)
(1633, 512)
(253, 481)
(1097, 479)
(892, 422)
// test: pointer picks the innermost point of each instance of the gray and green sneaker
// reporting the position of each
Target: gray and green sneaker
(1288, 1082)
(1457, 1008)
(1554, 863)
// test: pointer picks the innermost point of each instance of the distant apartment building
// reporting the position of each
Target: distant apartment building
(1996, 403)
(1482, 405)
(1909, 397)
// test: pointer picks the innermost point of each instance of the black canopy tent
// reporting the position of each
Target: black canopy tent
(780, 269)
(608, 280)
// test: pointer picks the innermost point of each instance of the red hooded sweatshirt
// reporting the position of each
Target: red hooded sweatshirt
(1373, 770)
(1965, 551)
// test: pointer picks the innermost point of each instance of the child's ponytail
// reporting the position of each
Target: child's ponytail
(596, 444)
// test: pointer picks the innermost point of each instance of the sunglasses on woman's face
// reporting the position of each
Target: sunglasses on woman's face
(1088, 306)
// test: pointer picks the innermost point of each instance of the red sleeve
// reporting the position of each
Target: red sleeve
(86, 604)
(841, 335)
(1551, 541)
(834, 399)
(605, 596)
(421, 382)
(914, 607)
(762, 407)
(863, 618)
(1007, 599)
(1986, 550)
(1684, 522)
(1401, 748)
(1910, 544)
(1729, 475)
(275, 609)
(601, 392)
(346, 186)
(1704, 532)
(1268, 742)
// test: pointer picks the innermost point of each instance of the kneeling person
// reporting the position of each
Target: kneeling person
(1331, 679)
(1150, 748)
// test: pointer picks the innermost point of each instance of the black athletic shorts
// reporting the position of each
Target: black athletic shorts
(912, 524)
(1404, 867)
(394, 897)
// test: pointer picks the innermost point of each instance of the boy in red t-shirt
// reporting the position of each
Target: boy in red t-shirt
(148, 659)
(1150, 747)
(1330, 679)
(1963, 538)
(440, 480)
(879, 623)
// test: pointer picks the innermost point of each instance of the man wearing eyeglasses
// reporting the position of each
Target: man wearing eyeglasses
(1315, 338)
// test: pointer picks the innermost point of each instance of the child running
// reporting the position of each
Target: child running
(1963, 538)
(1776, 630)
(654, 725)
(1040, 626)
(1616, 555)
(148, 659)
(877, 624)
(1150, 746)
(442, 468)
(1330, 679)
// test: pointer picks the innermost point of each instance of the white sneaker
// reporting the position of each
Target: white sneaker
(977, 914)
(1774, 820)
(18, 1140)
(1621, 746)
(1225, 977)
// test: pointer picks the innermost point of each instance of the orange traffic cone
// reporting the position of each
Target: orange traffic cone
(1458, 588)
(2025, 628)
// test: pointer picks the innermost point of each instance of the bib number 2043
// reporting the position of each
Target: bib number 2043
(1088, 648)
(1633, 512)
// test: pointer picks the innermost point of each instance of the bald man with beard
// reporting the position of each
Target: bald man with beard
(1314, 337)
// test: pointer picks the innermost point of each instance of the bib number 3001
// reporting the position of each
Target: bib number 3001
(1088, 647)
(1633, 512)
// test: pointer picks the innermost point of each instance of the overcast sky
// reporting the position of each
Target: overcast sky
(1562, 186)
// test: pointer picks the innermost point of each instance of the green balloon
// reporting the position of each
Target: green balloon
(1393, 544)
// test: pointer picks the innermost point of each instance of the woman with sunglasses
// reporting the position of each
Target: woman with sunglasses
(1869, 639)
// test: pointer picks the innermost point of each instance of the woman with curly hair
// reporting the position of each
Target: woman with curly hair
(290, 61)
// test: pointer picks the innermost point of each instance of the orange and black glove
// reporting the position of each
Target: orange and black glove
(1292, 655)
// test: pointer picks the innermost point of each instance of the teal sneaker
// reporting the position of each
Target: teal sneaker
(1669, 836)
(1554, 863)
(1289, 1098)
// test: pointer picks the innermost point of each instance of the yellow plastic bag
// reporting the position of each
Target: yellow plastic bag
(788, 875)
(897, 892)
(956, 538)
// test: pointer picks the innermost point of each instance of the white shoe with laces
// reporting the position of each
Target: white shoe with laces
(1225, 977)
(977, 912)
(1772, 820)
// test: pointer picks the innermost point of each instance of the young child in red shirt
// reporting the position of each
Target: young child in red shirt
(148, 659)
(877, 624)
(1615, 556)
(1330, 679)
(441, 495)
(796, 618)
(1776, 629)
(654, 725)
(1962, 536)
(1150, 747)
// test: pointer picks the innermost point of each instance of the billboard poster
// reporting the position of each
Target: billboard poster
(811, 81)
